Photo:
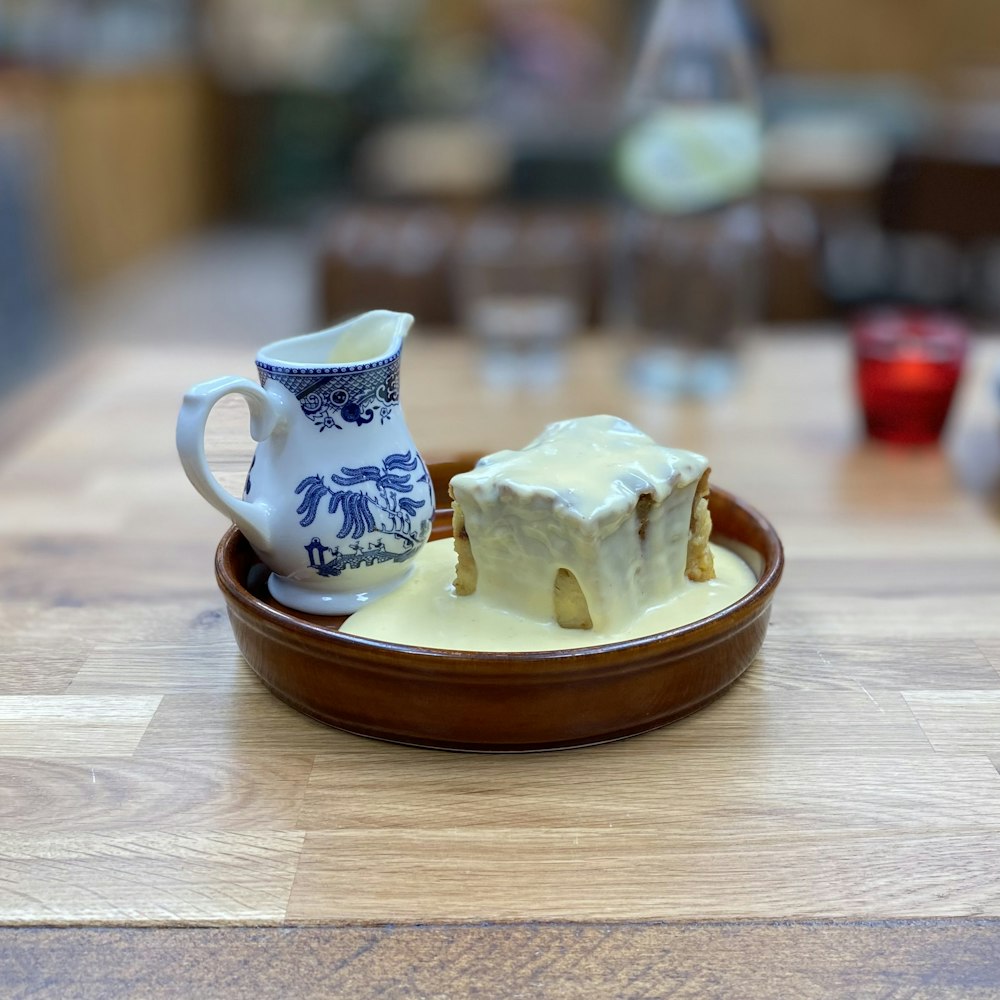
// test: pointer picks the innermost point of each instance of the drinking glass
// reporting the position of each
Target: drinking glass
(908, 364)
(520, 292)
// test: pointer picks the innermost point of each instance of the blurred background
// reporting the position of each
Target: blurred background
(255, 168)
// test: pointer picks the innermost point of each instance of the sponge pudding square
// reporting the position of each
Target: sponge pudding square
(589, 525)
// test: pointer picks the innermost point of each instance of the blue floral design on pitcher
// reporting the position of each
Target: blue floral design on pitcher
(372, 502)
(354, 394)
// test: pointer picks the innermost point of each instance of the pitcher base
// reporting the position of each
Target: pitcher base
(318, 602)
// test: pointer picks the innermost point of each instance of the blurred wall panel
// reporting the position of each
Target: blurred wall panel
(132, 164)
(928, 38)
(27, 329)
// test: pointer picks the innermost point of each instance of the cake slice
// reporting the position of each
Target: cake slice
(588, 525)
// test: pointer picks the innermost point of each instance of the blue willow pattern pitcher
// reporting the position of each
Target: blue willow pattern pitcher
(337, 499)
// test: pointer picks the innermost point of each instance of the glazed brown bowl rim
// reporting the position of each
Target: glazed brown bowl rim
(589, 660)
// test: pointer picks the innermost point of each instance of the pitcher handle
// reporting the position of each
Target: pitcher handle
(253, 519)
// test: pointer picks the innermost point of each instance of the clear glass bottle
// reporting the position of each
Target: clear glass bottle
(687, 263)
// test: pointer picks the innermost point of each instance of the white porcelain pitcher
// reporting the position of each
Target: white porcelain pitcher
(337, 500)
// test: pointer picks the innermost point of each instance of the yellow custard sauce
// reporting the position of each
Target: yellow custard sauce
(425, 611)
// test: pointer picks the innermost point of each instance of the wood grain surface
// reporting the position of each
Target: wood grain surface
(850, 777)
(776, 960)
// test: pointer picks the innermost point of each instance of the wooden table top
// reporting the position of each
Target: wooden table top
(836, 814)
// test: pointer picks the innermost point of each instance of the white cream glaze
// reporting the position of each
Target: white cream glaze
(568, 501)
(425, 611)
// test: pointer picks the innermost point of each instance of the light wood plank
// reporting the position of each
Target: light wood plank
(443, 875)
(900, 576)
(249, 723)
(818, 722)
(958, 721)
(149, 877)
(166, 571)
(745, 720)
(99, 795)
(890, 618)
(105, 568)
(63, 726)
(180, 666)
(167, 647)
(991, 650)
(645, 785)
(830, 662)
(43, 649)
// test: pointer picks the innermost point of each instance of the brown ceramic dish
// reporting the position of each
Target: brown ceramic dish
(501, 701)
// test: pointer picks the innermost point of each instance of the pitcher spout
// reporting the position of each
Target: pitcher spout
(365, 339)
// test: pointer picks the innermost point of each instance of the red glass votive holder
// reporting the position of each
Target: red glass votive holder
(908, 365)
